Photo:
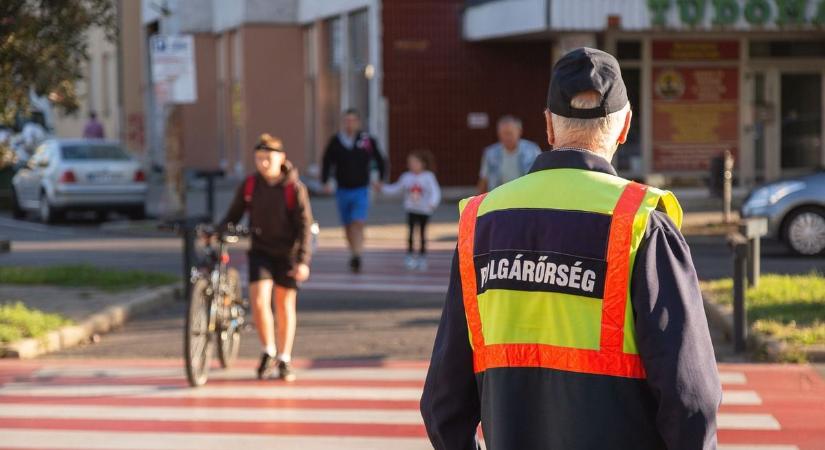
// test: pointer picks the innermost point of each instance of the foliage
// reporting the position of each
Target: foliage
(43, 47)
(83, 275)
(18, 322)
(790, 308)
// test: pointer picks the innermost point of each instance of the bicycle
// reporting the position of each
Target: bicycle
(217, 310)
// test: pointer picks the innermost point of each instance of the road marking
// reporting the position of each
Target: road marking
(741, 398)
(756, 447)
(742, 421)
(239, 374)
(213, 391)
(732, 378)
(102, 440)
(375, 287)
(201, 414)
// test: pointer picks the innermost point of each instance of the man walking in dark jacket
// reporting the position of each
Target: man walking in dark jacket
(574, 318)
(352, 153)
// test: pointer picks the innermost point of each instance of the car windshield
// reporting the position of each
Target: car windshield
(86, 152)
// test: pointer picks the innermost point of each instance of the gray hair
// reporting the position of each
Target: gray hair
(600, 134)
(509, 119)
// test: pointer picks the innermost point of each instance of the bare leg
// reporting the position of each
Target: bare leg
(348, 232)
(261, 299)
(357, 239)
(286, 316)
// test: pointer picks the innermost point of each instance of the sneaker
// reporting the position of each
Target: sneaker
(410, 262)
(285, 371)
(266, 366)
(422, 263)
(355, 264)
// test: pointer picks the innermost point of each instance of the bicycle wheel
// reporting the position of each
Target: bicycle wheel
(198, 347)
(229, 338)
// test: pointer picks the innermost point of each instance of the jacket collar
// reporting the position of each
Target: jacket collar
(572, 158)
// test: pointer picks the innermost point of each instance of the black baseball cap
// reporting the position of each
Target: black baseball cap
(586, 69)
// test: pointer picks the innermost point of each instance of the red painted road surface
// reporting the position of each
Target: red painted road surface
(145, 404)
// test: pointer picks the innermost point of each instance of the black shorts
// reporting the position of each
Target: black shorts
(266, 267)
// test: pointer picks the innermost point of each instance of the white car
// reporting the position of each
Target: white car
(79, 174)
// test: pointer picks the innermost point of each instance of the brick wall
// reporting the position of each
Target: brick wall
(433, 79)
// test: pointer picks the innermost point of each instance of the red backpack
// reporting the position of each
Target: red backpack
(290, 195)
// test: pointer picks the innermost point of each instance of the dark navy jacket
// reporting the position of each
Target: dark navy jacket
(537, 408)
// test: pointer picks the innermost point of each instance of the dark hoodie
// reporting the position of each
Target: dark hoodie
(276, 231)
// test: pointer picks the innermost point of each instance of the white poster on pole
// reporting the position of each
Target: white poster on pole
(174, 74)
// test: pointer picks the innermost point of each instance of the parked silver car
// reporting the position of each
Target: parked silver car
(79, 174)
(795, 209)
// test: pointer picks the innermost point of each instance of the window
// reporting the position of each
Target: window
(629, 50)
(335, 33)
(787, 49)
(84, 152)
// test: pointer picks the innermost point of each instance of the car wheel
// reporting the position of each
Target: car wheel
(48, 213)
(804, 231)
(16, 210)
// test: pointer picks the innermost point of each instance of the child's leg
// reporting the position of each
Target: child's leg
(411, 232)
(423, 224)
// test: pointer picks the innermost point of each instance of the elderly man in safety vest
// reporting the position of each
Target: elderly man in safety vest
(574, 318)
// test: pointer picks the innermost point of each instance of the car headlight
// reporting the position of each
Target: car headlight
(771, 194)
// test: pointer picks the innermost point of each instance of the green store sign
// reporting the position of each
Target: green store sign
(728, 12)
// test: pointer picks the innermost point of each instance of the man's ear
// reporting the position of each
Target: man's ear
(626, 127)
(551, 137)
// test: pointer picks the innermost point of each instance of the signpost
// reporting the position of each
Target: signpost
(174, 77)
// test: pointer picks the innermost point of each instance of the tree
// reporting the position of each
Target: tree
(43, 47)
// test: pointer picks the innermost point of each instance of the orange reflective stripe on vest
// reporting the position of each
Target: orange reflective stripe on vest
(610, 358)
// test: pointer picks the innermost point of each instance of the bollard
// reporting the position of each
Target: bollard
(739, 246)
(210, 176)
(754, 228)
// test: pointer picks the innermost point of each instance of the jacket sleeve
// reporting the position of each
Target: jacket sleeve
(392, 189)
(379, 159)
(237, 209)
(450, 405)
(435, 191)
(673, 338)
(303, 222)
(328, 162)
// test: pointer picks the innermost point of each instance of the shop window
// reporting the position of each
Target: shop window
(801, 113)
(787, 49)
(629, 50)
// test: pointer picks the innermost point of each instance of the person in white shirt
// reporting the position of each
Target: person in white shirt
(421, 197)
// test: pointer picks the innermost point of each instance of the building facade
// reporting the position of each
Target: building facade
(703, 77)
(744, 76)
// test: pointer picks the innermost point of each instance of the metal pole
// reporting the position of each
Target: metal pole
(727, 186)
(210, 197)
(740, 330)
(754, 268)
(188, 252)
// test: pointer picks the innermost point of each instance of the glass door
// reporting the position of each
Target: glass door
(801, 121)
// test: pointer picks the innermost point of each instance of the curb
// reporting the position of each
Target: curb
(111, 317)
(771, 349)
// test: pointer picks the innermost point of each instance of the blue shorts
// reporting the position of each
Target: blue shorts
(353, 204)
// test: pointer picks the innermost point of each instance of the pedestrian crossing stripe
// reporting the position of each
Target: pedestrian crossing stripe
(367, 405)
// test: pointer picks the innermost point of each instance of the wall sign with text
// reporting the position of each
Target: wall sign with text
(695, 112)
(755, 13)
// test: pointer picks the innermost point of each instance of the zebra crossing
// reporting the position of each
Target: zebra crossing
(146, 404)
(383, 271)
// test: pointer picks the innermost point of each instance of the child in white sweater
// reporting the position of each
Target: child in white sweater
(421, 197)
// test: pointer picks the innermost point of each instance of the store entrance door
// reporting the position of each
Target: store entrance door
(785, 130)
(801, 146)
